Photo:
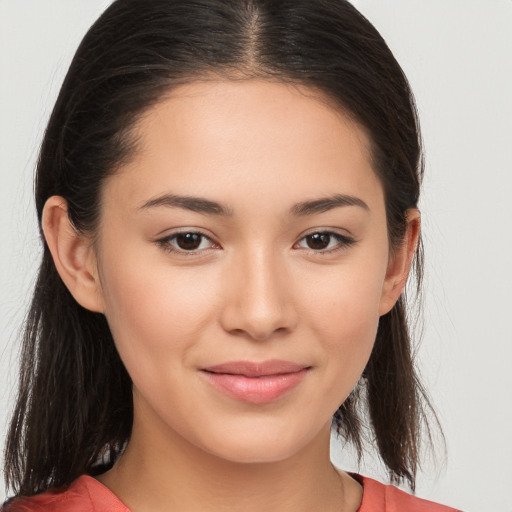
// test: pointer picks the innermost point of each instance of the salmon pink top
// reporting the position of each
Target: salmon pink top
(86, 494)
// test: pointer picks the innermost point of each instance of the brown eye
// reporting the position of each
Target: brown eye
(326, 242)
(318, 241)
(188, 241)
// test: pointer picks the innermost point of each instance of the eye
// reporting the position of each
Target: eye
(325, 241)
(186, 242)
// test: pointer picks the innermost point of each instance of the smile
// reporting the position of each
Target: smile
(255, 383)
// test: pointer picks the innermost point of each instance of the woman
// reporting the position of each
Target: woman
(227, 192)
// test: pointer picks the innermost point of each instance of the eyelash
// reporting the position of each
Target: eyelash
(165, 243)
(344, 242)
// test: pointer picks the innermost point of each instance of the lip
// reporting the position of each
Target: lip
(255, 382)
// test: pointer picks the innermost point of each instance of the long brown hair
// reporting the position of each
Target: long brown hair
(74, 410)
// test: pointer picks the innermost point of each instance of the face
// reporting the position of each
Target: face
(243, 260)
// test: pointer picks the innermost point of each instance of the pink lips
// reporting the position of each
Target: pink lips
(255, 383)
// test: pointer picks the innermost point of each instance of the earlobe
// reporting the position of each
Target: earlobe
(400, 263)
(73, 255)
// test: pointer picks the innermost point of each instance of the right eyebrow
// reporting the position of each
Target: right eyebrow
(194, 204)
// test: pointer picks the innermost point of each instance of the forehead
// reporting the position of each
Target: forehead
(225, 137)
(254, 106)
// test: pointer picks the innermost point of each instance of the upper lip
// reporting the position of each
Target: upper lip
(256, 369)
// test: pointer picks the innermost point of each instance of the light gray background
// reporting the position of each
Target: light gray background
(458, 57)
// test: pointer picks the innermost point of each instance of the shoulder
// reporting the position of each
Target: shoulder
(378, 497)
(85, 494)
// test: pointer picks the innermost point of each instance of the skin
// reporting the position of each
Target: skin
(253, 290)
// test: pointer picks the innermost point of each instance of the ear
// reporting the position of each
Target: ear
(73, 255)
(400, 263)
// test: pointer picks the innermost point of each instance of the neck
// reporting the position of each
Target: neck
(162, 471)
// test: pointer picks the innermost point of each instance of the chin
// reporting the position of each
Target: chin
(257, 446)
(255, 454)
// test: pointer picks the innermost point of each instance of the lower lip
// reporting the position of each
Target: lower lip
(255, 390)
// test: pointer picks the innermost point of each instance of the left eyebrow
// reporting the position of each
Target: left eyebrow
(325, 204)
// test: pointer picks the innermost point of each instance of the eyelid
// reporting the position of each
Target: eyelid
(344, 241)
(165, 242)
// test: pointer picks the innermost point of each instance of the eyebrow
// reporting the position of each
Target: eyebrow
(195, 204)
(325, 204)
(206, 206)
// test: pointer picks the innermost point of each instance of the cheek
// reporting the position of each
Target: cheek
(343, 312)
(350, 332)
(152, 312)
(345, 298)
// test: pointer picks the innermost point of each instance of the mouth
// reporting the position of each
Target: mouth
(255, 382)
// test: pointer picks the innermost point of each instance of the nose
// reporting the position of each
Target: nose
(259, 297)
